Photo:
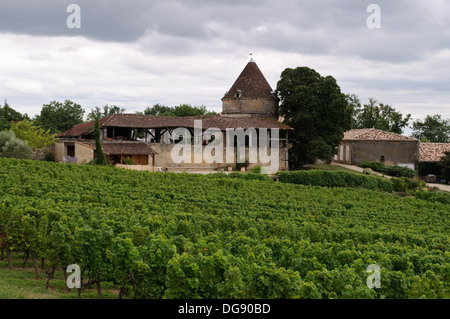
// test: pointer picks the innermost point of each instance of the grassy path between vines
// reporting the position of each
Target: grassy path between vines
(21, 283)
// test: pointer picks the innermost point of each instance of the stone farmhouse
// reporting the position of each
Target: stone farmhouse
(375, 145)
(148, 141)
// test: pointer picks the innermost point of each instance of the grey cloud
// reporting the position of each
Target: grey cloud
(409, 28)
(111, 20)
(159, 38)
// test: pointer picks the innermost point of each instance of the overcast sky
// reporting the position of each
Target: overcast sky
(137, 53)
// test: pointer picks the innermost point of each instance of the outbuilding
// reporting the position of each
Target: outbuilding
(375, 145)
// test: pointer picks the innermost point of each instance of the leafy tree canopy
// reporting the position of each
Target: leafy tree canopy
(180, 110)
(8, 114)
(107, 110)
(377, 115)
(433, 129)
(35, 136)
(59, 117)
(317, 110)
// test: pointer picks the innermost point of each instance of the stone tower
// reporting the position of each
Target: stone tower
(250, 95)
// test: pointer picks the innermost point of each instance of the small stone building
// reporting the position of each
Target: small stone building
(375, 145)
(430, 155)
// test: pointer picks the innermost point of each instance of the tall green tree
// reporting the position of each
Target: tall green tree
(97, 112)
(445, 164)
(380, 116)
(101, 157)
(8, 114)
(6, 111)
(4, 125)
(317, 110)
(159, 110)
(180, 110)
(432, 129)
(59, 117)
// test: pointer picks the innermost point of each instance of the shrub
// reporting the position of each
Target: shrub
(49, 157)
(12, 147)
(427, 168)
(6, 136)
(396, 171)
(256, 170)
(407, 184)
(128, 161)
(399, 171)
(35, 136)
(376, 166)
(335, 179)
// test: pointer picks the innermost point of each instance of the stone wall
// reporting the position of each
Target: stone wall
(240, 107)
(60, 152)
(405, 153)
(164, 159)
(83, 154)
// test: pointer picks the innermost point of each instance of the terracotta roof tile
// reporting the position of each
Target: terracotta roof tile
(375, 135)
(252, 84)
(83, 128)
(432, 152)
(155, 122)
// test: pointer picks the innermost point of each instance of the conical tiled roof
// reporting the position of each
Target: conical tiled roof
(251, 84)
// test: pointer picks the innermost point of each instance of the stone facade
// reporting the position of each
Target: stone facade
(250, 107)
(250, 95)
(378, 146)
(165, 160)
(83, 153)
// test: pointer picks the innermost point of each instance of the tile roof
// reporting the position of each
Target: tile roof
(252, 84)
(155, 122)
(83, 128)
(372, 134)
(122, 147)
(432, 152)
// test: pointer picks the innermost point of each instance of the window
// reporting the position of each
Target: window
(382, 159)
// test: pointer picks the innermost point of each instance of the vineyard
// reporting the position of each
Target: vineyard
(164, 235)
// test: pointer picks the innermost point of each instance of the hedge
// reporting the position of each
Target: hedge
(335, 179)
(396, 171)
